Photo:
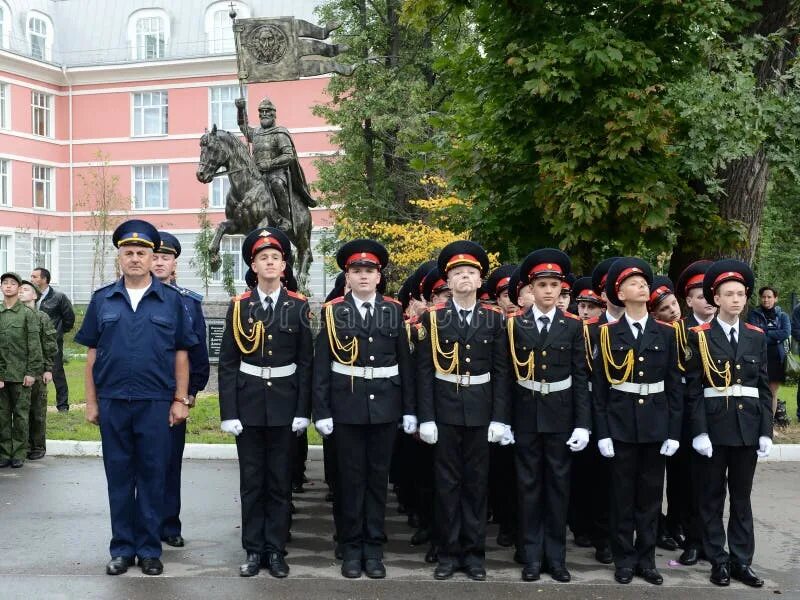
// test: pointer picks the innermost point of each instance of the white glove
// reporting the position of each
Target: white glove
(606, 447)
(702, 444)
(324, 426)
(428, 432)
(496, 431)
(764, 446)
(508, 437)
(670, 447)
(410, 424)
(299, 425)
(579, 439)
(232, 426)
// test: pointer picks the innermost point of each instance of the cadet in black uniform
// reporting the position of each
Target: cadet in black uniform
(638, 407)
(463, 398)
(362, 387)
(731, 407)
(264, 396)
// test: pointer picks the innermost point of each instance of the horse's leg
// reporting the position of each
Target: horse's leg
(213, 249)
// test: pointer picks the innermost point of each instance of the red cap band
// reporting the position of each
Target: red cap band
(437, 287)
(565, 285)
(587, 294)
(545, 269)
(363, 257)
(268, 242)
(659, 294)
(693, 282)
(728, 276)
(502, 283)
(629, 272)
(463, 259)
(603, 280)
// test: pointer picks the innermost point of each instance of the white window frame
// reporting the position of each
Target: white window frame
(48, 35)
(215, 42)
(163, 181)
(53, 266)
(163, 110)
(5, 25)
(215, 107)
(5, 182)
(9, 251)
(5, 104)
(133, 33)
(49, 110)
(223, 184)
(50, 189)
(231, 244)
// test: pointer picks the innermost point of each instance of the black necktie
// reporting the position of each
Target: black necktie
(268, 309)
(734, 343)
(367, 314)
(545, 321)
(639, 331)
(462, 315)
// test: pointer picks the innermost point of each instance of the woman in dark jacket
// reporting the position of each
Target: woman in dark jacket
(775, 323)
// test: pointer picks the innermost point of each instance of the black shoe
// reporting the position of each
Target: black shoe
(475, 572)
(689, 557)
(176, 541)
(119, 565)
(531, 572)
(151, 566)
(444, 570)
(251, 565)
(603, 555)
(746, 575)
(16, 463)
(583, 541)
(519, 557)
(421, 536)
(505, 539)
(413, 521)
(432, 555)
(36, 455)
(623, 575)
(666, 542)
(298, 488)
(374, 569)
(720, 574)
(277, 565)
(5, 462)
(560, 573)
(351, 568)
(650, 575)
(63, 409)
(329, 497)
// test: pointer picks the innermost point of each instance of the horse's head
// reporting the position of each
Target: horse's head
(213, 155)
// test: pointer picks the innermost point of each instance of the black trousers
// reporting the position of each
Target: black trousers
(682, 495)
(637, 488)
(503, 487)
(171, 524)
(60, 378)
(589, 495)
(543, 477)
(299, 459)
(461, 475)
(402, 471)
(265, 483)
(364, 453)
(422, 482)
(735, 467)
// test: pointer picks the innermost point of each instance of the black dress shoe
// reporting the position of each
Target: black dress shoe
(475, 572)
(689, 556)
(444, 570)
(119, 565)
(329, 497)
(374, 569)
(531, 573)
(421, 536)
(583, 541)
(560, 573)
(176, 541)
(505, 539)
(432, 555)
(623, 575)
(298, 488)
(36, 455)
(63, 409)
(650, 575)
(251, 565)
(151, 566)
(603, 555)
(5, 462)
(16, 463)
(746, 575)
(351, 568)
(277, 565)
(720, 575)
(666, 542)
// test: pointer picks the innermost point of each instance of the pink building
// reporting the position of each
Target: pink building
(126, 88)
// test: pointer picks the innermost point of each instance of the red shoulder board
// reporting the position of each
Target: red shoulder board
(566, 313)
(670, 325)
(606, 324)
(592, 321)
(297, 295)
(243, 296)
(334, 301)
(395, 300)
(701, 327)
(754, 328)
(439, 306)
(496, 309)
(517, 313)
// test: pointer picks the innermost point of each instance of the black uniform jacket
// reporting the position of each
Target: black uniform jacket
(287, 339)
(559, 355)
(629, 416)
(356, 400)
(735, 420)
(483, 348)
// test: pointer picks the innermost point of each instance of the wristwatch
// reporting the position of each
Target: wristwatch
(185, 400)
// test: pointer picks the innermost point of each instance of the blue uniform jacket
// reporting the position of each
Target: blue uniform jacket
(198, 355)
(135, 357)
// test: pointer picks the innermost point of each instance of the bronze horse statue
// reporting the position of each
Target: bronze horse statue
(249, 203)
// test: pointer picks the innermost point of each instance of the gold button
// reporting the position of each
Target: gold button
(641, 359)
(741, 406)
(372, 358)
(269, 352)
(269, 337)
(468, 347)
(370, 339)
(641, 400)
(641, 373)
(466, 359)
(544, 352)
(269, 384)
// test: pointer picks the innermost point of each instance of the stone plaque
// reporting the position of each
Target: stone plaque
(214, 329)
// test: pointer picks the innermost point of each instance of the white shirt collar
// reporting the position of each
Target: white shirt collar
(460, 308)
(631, 321)
(549, 314)
(727, 328)
(702, 321)
(611, 318)
(360, 303)
(262, 296)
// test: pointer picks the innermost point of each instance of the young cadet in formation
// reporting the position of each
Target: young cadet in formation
(462, 386)
(264, 396)
(551, 413)
(363, 386)
(731, 419)
(165, 262)
(638, 402)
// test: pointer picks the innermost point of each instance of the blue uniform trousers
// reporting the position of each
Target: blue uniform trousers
(136, 444)
(171, 525)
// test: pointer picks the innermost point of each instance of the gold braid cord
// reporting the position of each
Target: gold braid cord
(587, 346)
(529, 364)
(709, 366)
(682, 343)
(608, 359)
(437, 350)
(334, 342)
(255, 337)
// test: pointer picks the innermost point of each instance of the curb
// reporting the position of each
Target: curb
(780, 452)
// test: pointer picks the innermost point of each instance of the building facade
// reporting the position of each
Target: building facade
(102, 106)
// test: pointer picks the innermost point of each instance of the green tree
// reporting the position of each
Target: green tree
(202, 261)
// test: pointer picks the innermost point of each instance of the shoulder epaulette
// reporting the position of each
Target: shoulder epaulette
(186, 292)
(664, 323)
(496, 309)
(394, 300)
(297, 295)
(439, 306)
(336, 300)
(606, 324)
(242, 296)
(104, 286)
(754, 328)
(517, 313)
(592, 321)
(566, 313)
(701, 327)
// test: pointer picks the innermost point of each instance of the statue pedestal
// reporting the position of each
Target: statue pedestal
(214, 313)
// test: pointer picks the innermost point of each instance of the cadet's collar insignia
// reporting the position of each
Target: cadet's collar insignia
(561, 321)
(286, 304)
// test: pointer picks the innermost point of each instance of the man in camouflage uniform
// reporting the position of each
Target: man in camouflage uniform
(29, 294)
(20, 362)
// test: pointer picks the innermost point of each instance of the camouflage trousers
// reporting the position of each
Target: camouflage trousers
(15, 403)
(37, 417)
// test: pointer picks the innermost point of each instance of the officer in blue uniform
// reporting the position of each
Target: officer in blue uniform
(137, 386)
(164, 268)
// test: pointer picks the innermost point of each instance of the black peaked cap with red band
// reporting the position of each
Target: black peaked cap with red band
(545, 262)
(433, 283)
(600, 274)
(622, 269)
(659, 290)
(416, 279)
(460, 253)
(568, 282)
(499, 279)
(263, 238)
(691, 278)
(362, 252)
(582, 291)
(721, 271)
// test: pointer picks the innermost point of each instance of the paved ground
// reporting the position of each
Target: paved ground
(54, 537)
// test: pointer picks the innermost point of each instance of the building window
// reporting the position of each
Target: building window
(43, 187)
(150, 187)
(43, 253)
(5, 25)
(230, 251)
(148, 32)
(5, 249)
(219, 29)
(42, 114)
(223, 109)
(5, 182)
(219, 191)
(150, 113)
(40, 36)
(5, 100)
